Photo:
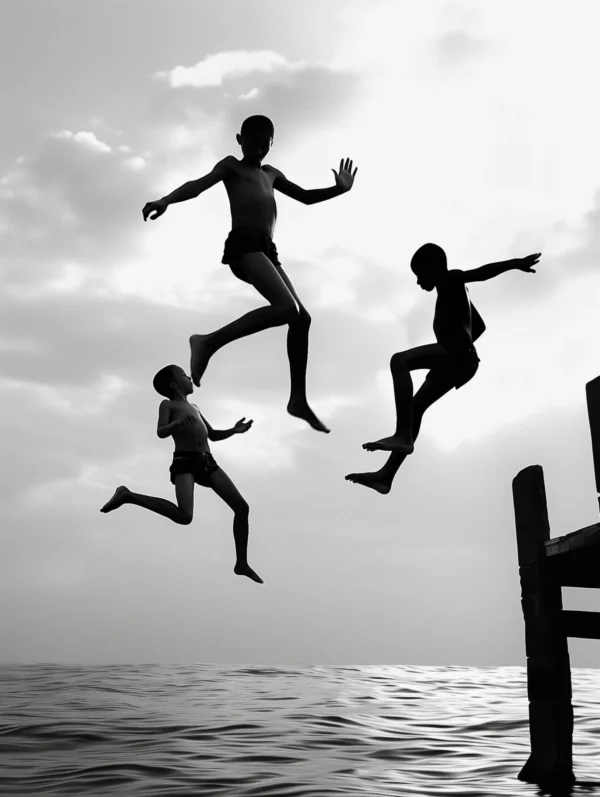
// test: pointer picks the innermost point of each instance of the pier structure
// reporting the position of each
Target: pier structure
(545, 566)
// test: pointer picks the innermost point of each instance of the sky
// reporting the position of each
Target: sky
(473, 125)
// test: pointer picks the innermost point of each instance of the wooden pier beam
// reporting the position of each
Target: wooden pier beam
(592, 394)
(548, 666)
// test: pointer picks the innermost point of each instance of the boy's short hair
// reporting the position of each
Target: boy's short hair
(257, 124)
(163, 379)
(429, 255)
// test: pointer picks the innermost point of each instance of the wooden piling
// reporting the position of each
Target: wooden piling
(546, 649)
(592, 391)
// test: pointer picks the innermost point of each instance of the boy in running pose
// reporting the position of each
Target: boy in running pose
(192, 462)
(252, 255)
(452, 361)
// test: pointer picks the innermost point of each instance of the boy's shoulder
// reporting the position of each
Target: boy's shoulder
(269, 168)
(453, 278)
(227, 165)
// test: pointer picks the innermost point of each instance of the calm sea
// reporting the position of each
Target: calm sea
(258, 731)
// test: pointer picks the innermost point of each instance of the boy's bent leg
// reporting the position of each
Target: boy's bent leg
(297, 350)
(381, 480)
(226, 489)
(181, 513)
(401, 364)
(256, 269)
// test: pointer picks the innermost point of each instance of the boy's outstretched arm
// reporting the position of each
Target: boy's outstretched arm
(189, 190)
(494, 269)
(222, 434)
(343, 183)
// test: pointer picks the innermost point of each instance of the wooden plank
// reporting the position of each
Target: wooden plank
(584, 625)
(589, 537)
(578, 568)
(592, 392)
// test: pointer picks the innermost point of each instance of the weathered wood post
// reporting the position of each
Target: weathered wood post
(592, 391)
(548, 666)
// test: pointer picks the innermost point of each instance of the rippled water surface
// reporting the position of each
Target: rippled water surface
(268, 732)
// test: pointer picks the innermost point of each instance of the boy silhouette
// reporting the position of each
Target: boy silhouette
(452, 361)
(252, 255)
(192, 462)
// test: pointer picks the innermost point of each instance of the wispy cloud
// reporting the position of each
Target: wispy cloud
(215, 69)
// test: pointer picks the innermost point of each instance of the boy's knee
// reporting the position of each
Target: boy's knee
(398, 360)
(287, 313)
(303, 317)
(186, 518)
(242, 508)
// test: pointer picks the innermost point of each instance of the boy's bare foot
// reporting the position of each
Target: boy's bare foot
(201, 354)
(244, 569)
(117, 500)
(372, 480)
(299, 409)
(392, 443)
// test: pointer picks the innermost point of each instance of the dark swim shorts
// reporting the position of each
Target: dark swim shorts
(199, 463)
(458, 368)
(241, 242)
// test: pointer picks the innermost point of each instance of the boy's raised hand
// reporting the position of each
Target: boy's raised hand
(345, 177)
(157, 207)
(525, 263)
(242, 426)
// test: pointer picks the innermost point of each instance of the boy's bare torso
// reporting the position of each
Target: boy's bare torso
(186, 438)
(251, 196)
(456, 322)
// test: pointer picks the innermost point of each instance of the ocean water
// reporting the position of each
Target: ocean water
(259, 731)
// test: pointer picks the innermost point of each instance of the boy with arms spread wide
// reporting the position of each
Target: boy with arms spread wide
(252, 255)
(192, 463)
(451, 362)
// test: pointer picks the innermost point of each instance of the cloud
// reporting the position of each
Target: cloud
(215, 69)
(298, 97)
(77, 201)
(458, 47)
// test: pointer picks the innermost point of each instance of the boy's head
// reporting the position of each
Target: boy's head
(256, 137)
(171, 381)
(428, 264)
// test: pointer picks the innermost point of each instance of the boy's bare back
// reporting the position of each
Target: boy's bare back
(456, 322)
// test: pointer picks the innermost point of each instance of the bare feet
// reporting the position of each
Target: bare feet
(402, 445)
(373, 480)
(201, 354)
(299, 409)
(117, 500)
(244, 569)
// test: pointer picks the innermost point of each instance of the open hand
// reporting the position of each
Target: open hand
(242, 426)
(525, 263)
(345, 177)
(157, 207)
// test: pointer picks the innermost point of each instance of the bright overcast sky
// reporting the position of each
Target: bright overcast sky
(474, 125)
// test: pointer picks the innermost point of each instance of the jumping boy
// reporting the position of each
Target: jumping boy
(452, 361)
(252, 255)
(192, 462)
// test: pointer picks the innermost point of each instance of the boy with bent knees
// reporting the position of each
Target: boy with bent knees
(192, 463)
(451, 362)
(252, 256)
